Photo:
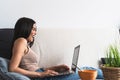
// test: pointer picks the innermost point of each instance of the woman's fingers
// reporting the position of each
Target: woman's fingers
(51, 73)
(54, 73)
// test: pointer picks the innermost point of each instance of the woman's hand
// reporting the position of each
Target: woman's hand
(61, 68)
(48, 73)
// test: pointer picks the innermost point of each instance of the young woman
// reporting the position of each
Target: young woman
(25, 61)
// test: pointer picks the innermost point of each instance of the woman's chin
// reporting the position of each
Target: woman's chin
(31, 40)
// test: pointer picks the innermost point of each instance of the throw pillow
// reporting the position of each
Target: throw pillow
(4, 64)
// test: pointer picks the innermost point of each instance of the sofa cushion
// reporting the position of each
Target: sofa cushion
(5, 75)
(17, 76)
(4, 69)
(12, 76)
(4, 64)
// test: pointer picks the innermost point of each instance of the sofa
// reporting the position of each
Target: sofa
(6, 35)
(49, 56)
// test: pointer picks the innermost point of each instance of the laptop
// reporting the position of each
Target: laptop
(74, 62)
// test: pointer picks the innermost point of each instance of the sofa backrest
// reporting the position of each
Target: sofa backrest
(6, 35)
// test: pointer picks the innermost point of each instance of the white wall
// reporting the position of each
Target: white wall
(62, 13)
(101, 16)
(56, 46)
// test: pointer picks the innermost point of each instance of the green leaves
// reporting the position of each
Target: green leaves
(113, 56)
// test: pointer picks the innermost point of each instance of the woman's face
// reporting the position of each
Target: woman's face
(32, 34)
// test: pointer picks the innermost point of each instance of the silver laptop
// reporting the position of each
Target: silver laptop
(74, 62)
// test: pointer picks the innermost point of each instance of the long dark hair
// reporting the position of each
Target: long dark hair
(23, 28)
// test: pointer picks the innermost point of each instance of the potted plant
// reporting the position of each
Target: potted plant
(111, 69)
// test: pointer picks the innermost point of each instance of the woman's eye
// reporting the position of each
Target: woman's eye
(34, 29)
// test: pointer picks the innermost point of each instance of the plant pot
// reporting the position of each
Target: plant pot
(111, 73)
(88, 74)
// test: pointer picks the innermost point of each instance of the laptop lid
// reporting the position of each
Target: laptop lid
(75, 58)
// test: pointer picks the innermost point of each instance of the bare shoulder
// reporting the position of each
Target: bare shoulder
(21, 41)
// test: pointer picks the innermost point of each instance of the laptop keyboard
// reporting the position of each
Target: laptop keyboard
(65, 73)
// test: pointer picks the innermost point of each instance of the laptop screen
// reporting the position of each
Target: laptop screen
(75, 58)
